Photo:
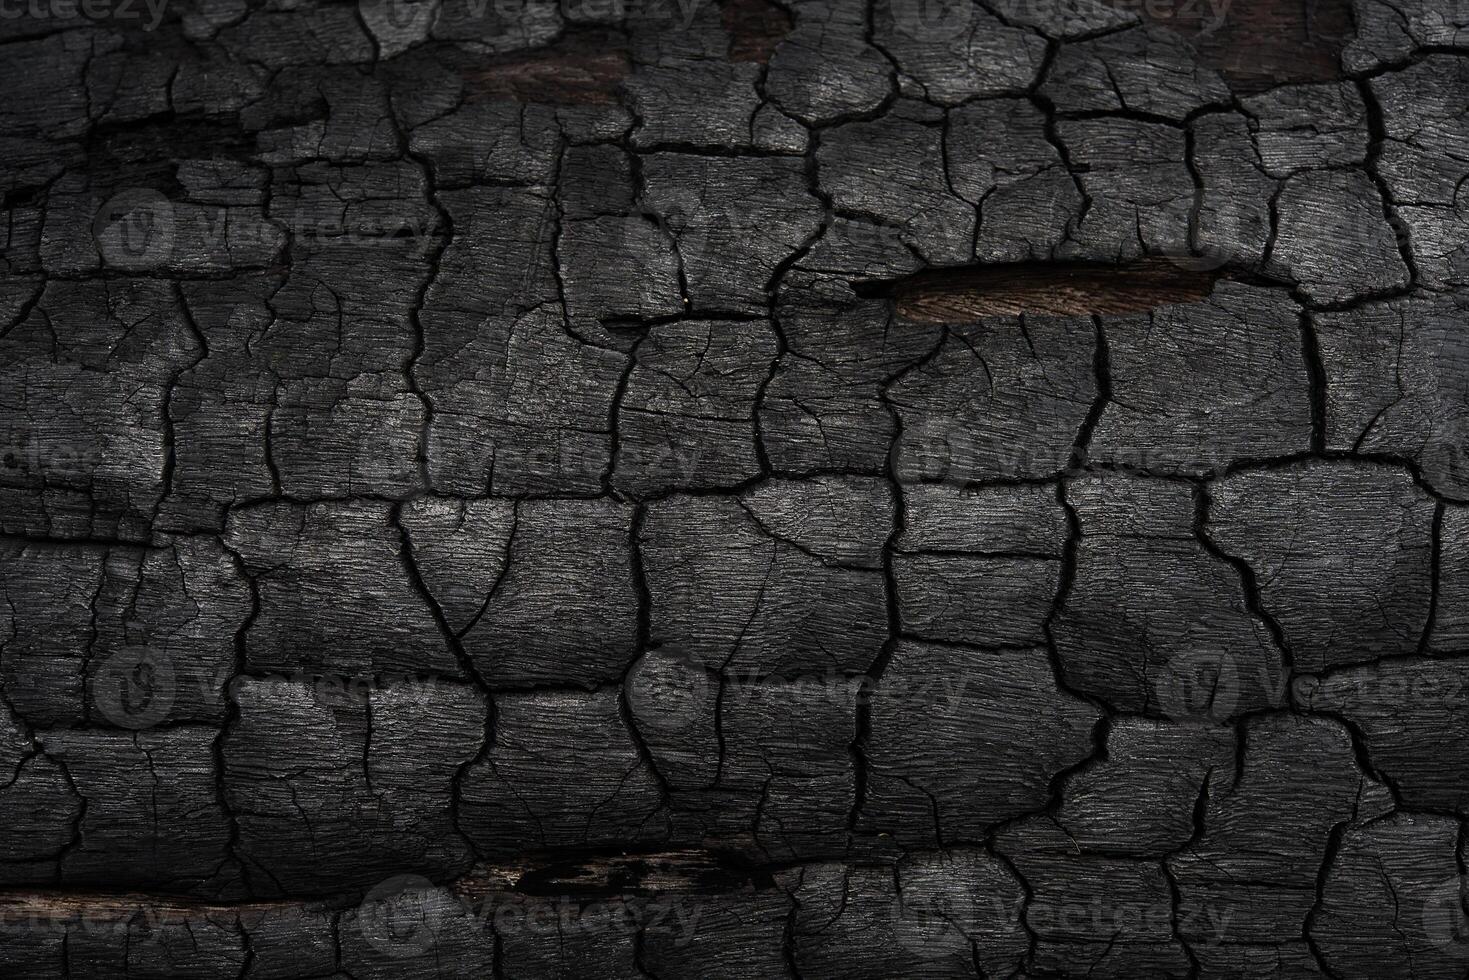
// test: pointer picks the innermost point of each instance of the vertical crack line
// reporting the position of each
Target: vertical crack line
(1176, 919)
(869, 684)
(438, 243)
(1249, 582)
(1376, 137)
(1048, 109)
(1102, 377)
(1435, 571)
(1328, 858)
(170, 455)
(641, 645)
(467, 666)
(614, 420)
(232, 715)
(1033, 938)
(1316, 378)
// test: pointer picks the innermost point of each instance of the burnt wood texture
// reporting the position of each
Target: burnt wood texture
(667, 489)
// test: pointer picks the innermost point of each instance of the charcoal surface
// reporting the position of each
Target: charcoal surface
(734, 489)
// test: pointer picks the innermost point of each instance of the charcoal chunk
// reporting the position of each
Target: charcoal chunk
(963, 738)
(1135, 177)
(1333, 238)
(1450, 630)
(1145, 70)
(340, 783)
(183, 942)
(408, 927)
(1300, 127)
(564, 605)
(1154, 622)
(344, 420)
(290, 940)
(1002, 398)
(1395, 890)
(1198, 387)
(221, 408)
(1342, 552)
(1114, 912)
(1411, 716)
(949, 913)
(675, 704)
(1139, 798)
(737, 583)
(484, 142)
(738, 936)
(893, 168)
(1396, 373)
(46, 812)
(1421, 163)
(787, 752)
(733, 221)
(335, 595)
(825, 69)
(957, 50)
(604, 792)
(823, 407)
(726, 94)
(1234, 225)
(1000, 160)
(1265, 834)
(459, 548)
(85, 378)
(1390, 30)
(983, 520)
(687, 415)
(975, 598)
(132, 783)
(521, 405)
(617, 267)
(564, 937)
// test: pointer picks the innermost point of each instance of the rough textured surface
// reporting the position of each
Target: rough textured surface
(734, 489)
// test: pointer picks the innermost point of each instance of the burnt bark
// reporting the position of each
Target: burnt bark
(772, 488)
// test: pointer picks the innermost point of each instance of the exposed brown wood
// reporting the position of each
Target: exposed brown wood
(957, 295)
(582, 68)
(755, 28)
